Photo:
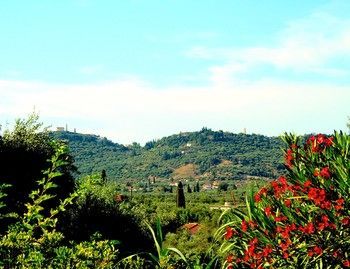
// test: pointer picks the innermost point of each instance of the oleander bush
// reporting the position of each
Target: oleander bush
(300, 220)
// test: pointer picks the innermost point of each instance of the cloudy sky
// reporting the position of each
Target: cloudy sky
(137, 70)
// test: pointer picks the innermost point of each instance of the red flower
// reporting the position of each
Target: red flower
(325, 173)
(267, 251)
(287, 203)
(324, 223)
(280, 186)
(319, 143)
(345, 221)
(308, 229)
(281, 218)
(346, 263)
(339, 204)
(267, 211)
(244, 226)
(229, 258)
(261, 192)
(289, 158)
(229, 233)
(318, 196)
(315, 251)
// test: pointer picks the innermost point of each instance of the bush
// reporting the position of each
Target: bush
(24, 152)
(301, 220)
(34, 242)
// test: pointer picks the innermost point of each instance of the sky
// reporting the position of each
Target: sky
(137, 70)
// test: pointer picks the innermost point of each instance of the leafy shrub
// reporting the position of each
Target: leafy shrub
(34, 242)
(24, 152)
(301, 220)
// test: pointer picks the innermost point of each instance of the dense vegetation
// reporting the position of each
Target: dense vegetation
(300, 220)
(203, 155)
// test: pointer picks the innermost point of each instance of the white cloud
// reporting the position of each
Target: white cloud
(132, 110)
(306, 45)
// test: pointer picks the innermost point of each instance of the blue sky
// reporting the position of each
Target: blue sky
(138, 70)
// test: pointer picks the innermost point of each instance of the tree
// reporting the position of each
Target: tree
(223, 186)
(24, 152)
(104, 176)
(189, 190)
(197, 186)
(180, 196)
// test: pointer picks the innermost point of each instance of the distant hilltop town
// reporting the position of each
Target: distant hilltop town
(64, 129)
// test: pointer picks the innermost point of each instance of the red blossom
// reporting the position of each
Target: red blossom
(318, 196)
(289, 158)
(281, 218)
(280, 186)
(308, 229)
(229, 258)
(319, 143)
(345, 221)
(325, 173)
(323, 223)
(261, 192)
(229, 233)
(267, 251)
(285, 245)
(339, 204)
(287, 203)
(268, 211)
(315, 251)
(346, 263)
(244, 226)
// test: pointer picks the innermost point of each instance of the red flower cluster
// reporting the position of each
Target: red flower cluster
(259, 194)
(319, 142)
(280, 186)
(318, 196)
(315, 251)
(308, 228)
(324, 173)
(229, 232)
(285, 232)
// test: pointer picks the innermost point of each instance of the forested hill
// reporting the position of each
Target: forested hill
(205, 154)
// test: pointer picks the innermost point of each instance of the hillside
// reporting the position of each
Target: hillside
(204, 154)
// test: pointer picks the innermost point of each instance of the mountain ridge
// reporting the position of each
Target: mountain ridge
(212, 155)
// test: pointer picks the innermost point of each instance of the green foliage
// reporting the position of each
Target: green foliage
(164, 256)
(24, 152)
(96, 210)
(34, 242)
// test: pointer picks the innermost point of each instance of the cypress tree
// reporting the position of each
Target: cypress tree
(197, 186)
(104, 176)
(189, 190)
(180, 196)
